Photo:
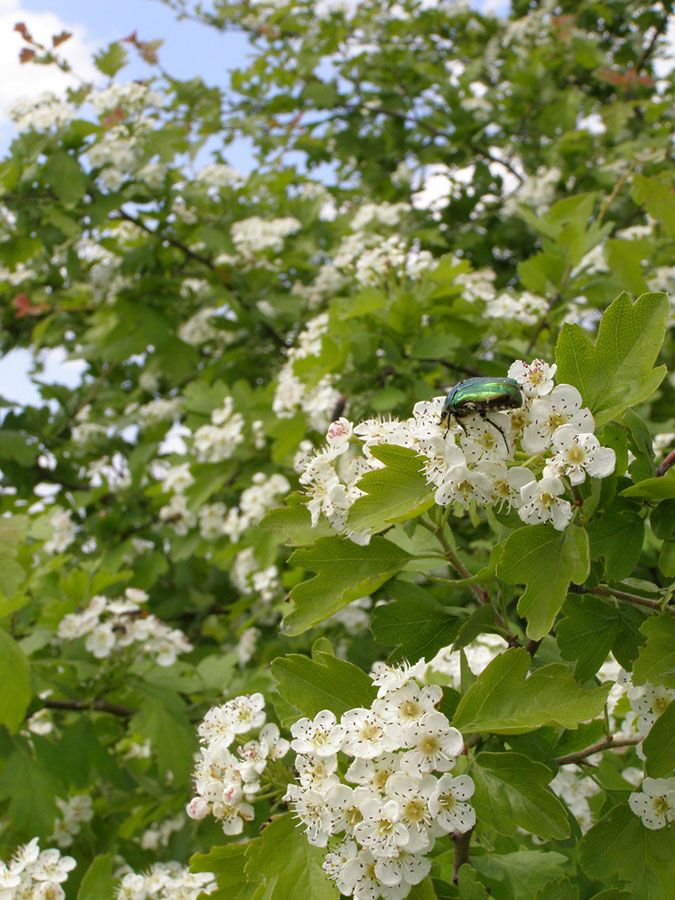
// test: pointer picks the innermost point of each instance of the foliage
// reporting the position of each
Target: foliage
(204, 548)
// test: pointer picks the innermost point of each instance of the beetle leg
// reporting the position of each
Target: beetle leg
(494, 425)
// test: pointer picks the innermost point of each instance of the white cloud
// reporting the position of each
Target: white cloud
(19, 80)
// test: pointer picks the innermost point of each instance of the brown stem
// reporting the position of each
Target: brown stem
(663, 467)
(461, 842)
(603, 744)
(649, 49)
(99, 705)
(629, 598)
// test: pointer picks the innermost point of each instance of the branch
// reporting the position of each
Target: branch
(663, 467)
(629, 598)
(98, 705)
(649, 49)
(461, 855)
(607, 743)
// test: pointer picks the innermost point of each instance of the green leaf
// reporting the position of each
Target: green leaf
(521, 874)
(294, 522)
(15, 690)
(611, 894)
(30, 789)
(98, 879)
(617, 372)
(393, 494)
(285, 854)
(656, 661)
(345, 572)
(546, 561)
(587, 633)
(511, 792)
(14, 445)
(227, 864)
(423, 891)
(617, 535)
(469, 886)
(503, 700)
(667, 559)
(662, 488)
(110, 60)
(64, 175)
(659, 745)
(560, 889)
(657, 198)
(310, 685)
(415, 624)
(162, 718)
(620, 846)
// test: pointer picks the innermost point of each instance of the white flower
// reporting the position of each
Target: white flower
(374, 772)
(381, 830)
(366, 734)
(435, 745)
(321, 736)
(655, 804)
(317, 773)
(576, 452)
(462, 485)
(561, 407)
(542, 503)
(314, 813)
(535, 378)
(409, 703)
(390, 678)
(413, 793)
(403, 869)
(447, 806)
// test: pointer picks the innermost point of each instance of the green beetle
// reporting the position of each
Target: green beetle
(477, 396)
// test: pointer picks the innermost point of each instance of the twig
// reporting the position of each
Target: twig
(603, 744)
(461, 842)
(663, 467)
(629, 598)
(649, 49)
(99, 705)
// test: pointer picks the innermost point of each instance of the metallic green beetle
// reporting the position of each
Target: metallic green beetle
(477, 396)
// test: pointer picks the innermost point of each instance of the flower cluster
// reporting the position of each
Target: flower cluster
(255, 235)
(74, 812)
(159, 833)
(551, 426)
(33, 874)
(291, 394)
(217, 442)
(63, 531)
(112, 625)
(379, 830)
(165, 881)
(225, 783)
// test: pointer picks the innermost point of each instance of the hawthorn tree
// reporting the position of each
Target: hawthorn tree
(278, 619)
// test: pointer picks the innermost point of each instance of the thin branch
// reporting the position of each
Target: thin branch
(629, 598)
(663, 467)
(606, 743)
(461, 841)
(649, 49)
(98, 705)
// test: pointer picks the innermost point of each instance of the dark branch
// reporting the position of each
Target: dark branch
(98, 705)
